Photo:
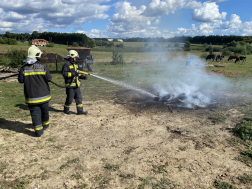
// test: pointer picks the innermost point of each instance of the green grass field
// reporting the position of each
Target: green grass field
(11, 94)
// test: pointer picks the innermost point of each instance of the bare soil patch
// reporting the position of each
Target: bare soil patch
(129, 142)
(47, 57)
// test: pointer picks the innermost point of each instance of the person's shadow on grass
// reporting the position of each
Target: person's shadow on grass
(17, 126)
(20, 127)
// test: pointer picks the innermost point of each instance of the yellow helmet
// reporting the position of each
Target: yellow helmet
(34, 52)
(73, 54)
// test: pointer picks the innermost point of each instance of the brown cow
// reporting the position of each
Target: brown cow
(233, 57)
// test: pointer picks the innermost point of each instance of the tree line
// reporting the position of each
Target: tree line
(82, 40)
(211, 39)
(55, 37)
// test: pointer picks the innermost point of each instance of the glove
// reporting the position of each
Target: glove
(83, 77)
(74, 73)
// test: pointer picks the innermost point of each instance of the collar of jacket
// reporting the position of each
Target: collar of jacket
(72, 62)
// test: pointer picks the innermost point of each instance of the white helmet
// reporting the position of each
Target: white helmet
(73, 54)
(34, 52)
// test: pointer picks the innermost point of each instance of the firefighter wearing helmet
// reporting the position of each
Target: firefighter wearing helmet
(69, 72)
(35, 77)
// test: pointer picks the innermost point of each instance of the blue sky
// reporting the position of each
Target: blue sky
(128, 18)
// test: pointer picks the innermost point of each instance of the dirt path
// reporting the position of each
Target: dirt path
(121, 145)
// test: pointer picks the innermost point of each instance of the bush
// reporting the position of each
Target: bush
(210, 49)
(155, 45)
(16, 57)
(146, 44)
(231, 49)
(187, 46)
(117, 57)
(226, 52)
(232, 44)
(75, 44)
(249, 48)
(240, 50)
(10, 41)
(1, 40)
(223, 185)
(50, 45)
(91, 43)
(204, 55)
(5, 61)
(243, 130)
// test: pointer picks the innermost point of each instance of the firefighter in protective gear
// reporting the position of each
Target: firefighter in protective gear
(35, 77)
(69, 72)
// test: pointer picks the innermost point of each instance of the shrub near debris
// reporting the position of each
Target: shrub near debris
(244, 129)
(223, 185)
(16, 57)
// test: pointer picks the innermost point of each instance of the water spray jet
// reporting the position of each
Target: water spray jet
(122, 84)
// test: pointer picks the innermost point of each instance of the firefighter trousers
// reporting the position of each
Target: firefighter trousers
(73, 93)
(40, 117)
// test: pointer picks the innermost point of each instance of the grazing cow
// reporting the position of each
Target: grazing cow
(233, 57)
(219, 57)
(211, 56)
(243, 58)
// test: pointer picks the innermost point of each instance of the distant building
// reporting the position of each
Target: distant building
(39, 42)
(119, 40)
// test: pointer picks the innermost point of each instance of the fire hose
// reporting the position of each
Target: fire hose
(81, 72)
(78, 71)
(1, 78)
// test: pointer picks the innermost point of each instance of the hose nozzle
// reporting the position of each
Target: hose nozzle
(83, 72)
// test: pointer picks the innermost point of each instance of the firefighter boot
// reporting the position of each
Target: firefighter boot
(66, 109)
(80, 111)
(45, 125)
(39, 131)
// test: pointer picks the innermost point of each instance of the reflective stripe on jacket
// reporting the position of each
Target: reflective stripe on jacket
(35, 78)
(67, 71)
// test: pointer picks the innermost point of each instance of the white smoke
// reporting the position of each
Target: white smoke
(188, 78)
(181, 79)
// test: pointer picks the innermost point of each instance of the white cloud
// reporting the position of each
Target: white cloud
(232, 26)
(209, 12)
(42, 15)
(128, 20)
(165, 7)
(157, 21)
(94, 33)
